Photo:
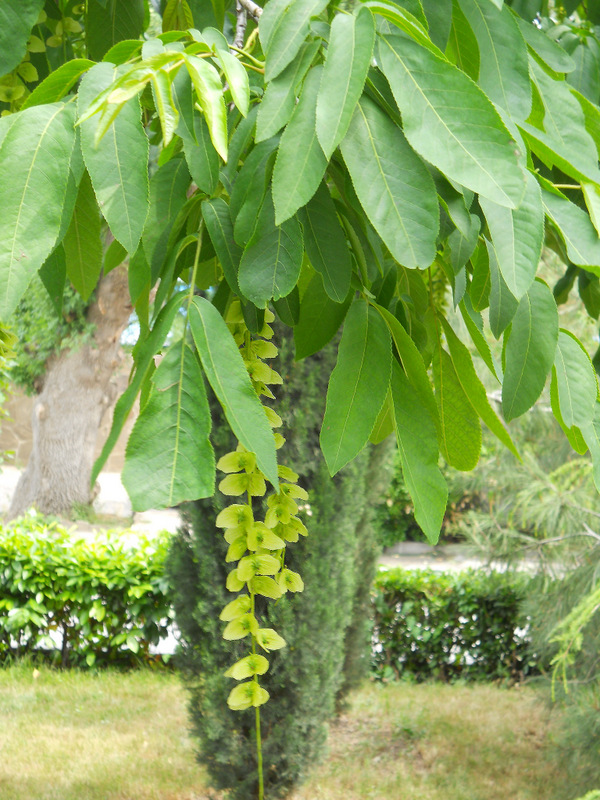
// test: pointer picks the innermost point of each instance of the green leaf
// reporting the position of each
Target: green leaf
(460, 427)
(58, 83)
(439, 20)
(76, 168)
(237, 79)
(36, 155)
(169, 458)
(481, 284)
(405, 21)
(288, 307)
(589, 290)
(451, 123)
(473, 388)
(114, 256)
(300, 163)
(177, 16)
(504, 70)
(463, 49)
(580, 236)
(474, 323)
(591, 434)
(105, 26)
(118, 165)
(163, 96)
(220, 229)
(553, 153)
(591, 195)
(413, 364)
(564, 125)
(227, 374)
(279, 99)
(462, 247)
(272, 259)
(320, 319)
(17, 18)
(384, 424)
(168, 188)
(53, 274)
(576, 381)
(210, 96)
(418, 450)
(325, 243)
(82, 243)
(530, 350)
(138, 275)
(585, 77)
(545, 48)
(393, 185)
(503, 304)
(348, 59)
(591, 113)
(283, 28)
(358, 386)
(517, 235)
(249, 189)
(182, 90)
(573, 434)
(146, 350)
(123, 51)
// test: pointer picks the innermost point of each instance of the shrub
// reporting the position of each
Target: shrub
(449, 626)
(81, 601)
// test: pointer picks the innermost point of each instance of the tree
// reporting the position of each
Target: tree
(346, 165)
(73, 394)
(330, 640)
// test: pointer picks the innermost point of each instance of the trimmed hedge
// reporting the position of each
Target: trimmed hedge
(105, 599)
(81, 600)
(448, 626)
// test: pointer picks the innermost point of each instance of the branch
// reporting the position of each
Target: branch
(251, 7)
(240, 27)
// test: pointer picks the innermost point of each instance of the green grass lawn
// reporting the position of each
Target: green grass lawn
(111, 736)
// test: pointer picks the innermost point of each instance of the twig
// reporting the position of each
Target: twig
(251, 7)
(240, 27)
(558, 539)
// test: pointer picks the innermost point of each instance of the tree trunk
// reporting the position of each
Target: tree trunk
(76, 393)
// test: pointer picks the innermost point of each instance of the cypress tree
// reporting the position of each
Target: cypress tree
(326, 626)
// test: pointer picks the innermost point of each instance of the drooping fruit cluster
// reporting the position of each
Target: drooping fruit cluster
(258, 546)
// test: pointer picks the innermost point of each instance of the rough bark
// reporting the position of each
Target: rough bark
(76, 393)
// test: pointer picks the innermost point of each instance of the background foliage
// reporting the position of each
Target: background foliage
(41, 330)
